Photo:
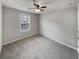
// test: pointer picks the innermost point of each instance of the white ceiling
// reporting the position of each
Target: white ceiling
(51, 4)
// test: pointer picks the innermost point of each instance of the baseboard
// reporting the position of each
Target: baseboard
(0, 49)
(44, 36)
(60, 42)
(17, 39)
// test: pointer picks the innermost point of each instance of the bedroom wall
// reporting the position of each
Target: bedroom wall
(60, 26)
(0, 25)
(11, 25)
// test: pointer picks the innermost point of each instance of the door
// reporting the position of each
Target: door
(0, 26)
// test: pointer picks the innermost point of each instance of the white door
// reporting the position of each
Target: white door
(0, 26)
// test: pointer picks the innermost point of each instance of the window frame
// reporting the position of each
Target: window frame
(29, 22)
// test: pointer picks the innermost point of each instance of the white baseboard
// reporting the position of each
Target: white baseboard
(59, 42)
(43, 35)
(16, 40)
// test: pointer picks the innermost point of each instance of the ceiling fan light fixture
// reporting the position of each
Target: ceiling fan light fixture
(37, 11)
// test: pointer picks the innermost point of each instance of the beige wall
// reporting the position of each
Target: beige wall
(60, 26)
(0, 25)
(78, 22)
(11, 25)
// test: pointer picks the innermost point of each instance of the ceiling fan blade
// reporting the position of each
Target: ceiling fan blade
(41, 10)
(43, 6)
(36, 6)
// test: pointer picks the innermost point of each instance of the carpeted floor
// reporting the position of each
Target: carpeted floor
(37, 47)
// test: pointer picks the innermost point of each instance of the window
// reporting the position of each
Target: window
(24, 23)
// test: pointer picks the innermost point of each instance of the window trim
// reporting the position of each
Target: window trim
(29, 23)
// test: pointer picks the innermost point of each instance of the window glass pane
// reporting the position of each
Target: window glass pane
(24, 23)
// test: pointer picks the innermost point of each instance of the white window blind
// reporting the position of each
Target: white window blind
(24, 23)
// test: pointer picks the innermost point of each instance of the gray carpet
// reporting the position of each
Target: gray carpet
(37, 47)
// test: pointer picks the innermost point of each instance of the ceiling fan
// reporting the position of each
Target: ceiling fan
(38, 7)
